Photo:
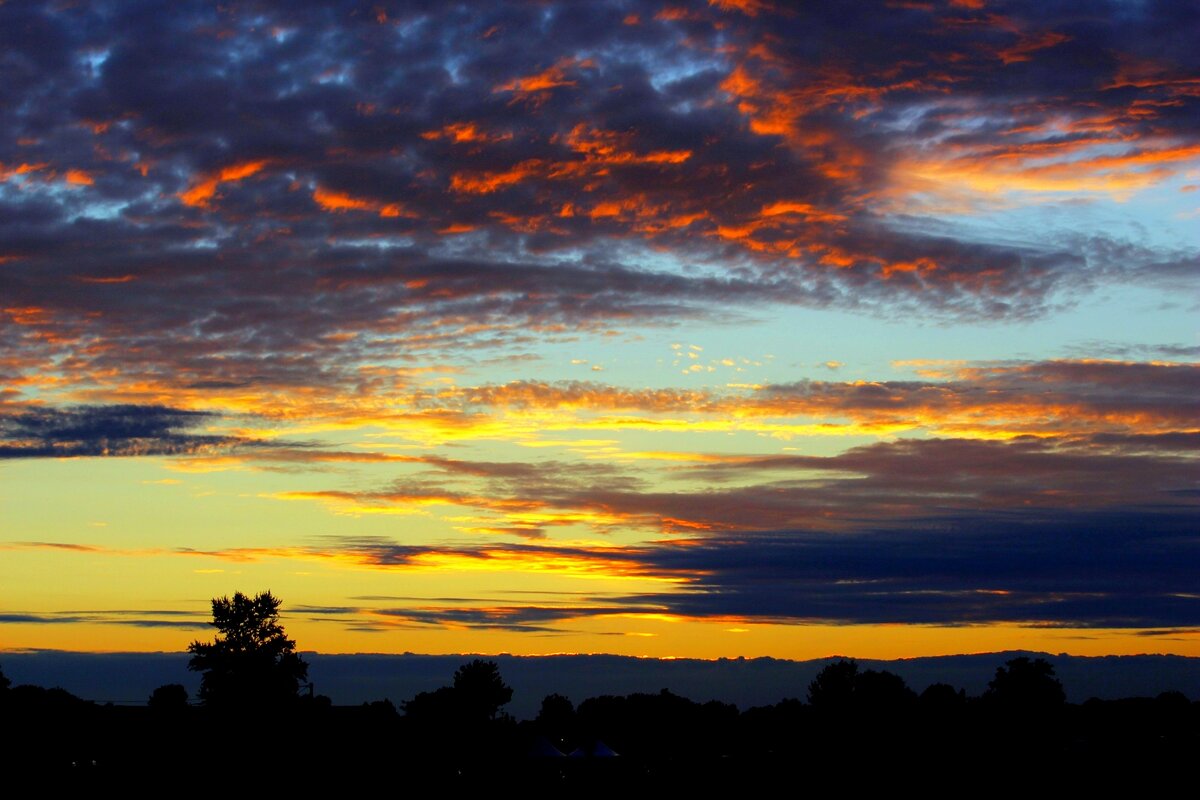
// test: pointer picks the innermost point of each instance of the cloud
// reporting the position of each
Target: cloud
(522, 619)
(288, 215)
(1070, 398)
(1126, 567)
(436, 178)
(133, 618)
(858, 489)
(1119, 569)
(123, 430)
(1122, 568)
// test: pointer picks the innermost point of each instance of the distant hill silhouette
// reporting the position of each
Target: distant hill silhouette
(354, 679)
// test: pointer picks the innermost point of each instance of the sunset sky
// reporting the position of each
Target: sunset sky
(670, 329)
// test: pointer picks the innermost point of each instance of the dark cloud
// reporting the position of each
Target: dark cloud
(41, 619)
(524, 619)
(1125, 569)
(123, 430)
(383, 552)
(138, 619)
(222, 197)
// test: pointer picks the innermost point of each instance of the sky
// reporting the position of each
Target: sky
(670, 329)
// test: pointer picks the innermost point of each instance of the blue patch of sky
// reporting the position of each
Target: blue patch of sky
(380, 243)
(93, 61)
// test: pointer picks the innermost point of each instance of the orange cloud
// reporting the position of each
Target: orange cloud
(465, 133)
(21, 169)
(598, 152)
(1028, 45)
(338, 202)
(776, 103)
(750, 8)
(1056, 168)
(108, 279)
(1045, 398)
(805, 210)
(610, 147)
(533, 87)
(335, 201)
(455, 228)
(677, 13)
(1149, 74)
(488, 182)
(27, 315)
(79, 177)
(204, 189)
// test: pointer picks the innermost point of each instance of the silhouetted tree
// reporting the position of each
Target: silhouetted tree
(940, 718)
(439, 706)
(556, 719)
(556, 711)
(1026, 685)
(252, 663)
(943, 696)
(480, 689)
(834, 685)
(476, 696)
(1172, 699)
(841, 687)
(880, 690)
(169, 697)
(381, 710)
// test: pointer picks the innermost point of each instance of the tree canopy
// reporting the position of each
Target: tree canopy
(251, 662)
(481, 689)
(841, 686)
(1028, 684)
(476, 696)
(834, 685)
(168, 697)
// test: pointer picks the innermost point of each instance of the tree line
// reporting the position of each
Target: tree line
(255, 706)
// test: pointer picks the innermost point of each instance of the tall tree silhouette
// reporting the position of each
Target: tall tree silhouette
(480, 689)
(251, 663)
